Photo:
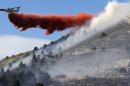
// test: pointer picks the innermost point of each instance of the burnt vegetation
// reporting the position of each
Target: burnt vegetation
(34, 73)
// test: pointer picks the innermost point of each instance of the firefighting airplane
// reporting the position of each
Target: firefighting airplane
(10, 10)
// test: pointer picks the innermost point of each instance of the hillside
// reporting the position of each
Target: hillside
(103, 61)
(10, 59)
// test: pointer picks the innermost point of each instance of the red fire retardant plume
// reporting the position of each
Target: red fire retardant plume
(48, 22)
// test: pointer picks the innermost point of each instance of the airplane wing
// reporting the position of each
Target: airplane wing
(3, 10)
(16, 8)
(10, 10)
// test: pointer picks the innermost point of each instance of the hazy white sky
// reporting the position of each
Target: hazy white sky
(13, 44)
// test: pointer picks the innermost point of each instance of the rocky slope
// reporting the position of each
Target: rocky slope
(101, 62)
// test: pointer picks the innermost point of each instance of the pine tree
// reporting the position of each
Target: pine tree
(39, 84)
(2, 70)
(16, 83)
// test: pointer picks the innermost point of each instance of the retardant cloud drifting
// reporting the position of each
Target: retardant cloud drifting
(49, 22)
(12, 44)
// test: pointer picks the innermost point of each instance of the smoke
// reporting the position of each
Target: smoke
(82, 65)
(107, 21)
(13, 44)
(79, 66)
(48, 22)
(93, 65)
(113, 14)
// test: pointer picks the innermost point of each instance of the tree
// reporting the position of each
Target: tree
(7, 57)
(10, 64)
(16, 83)
(123, 70)
(21, 65)
(35, 48)
(39, 84)
(44, 46)
(2, 70)
(34, 59)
